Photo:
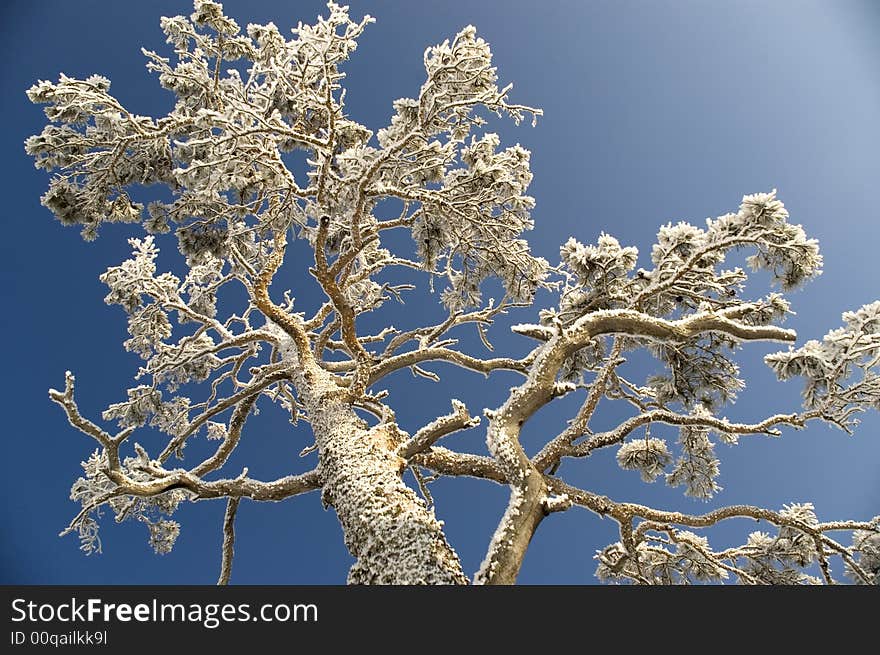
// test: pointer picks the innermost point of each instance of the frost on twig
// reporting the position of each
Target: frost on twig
(841, 372)
(96, 488)
(649, 456)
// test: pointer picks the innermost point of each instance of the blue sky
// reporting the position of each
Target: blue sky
(654, 111)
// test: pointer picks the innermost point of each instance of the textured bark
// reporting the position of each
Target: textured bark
(528, 492)
(389, 530)
(525, 511)
(393, 536)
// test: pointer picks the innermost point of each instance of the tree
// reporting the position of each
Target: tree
(222, 172)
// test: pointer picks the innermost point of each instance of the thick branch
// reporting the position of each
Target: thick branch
(550, 454)
(638, 324)
(448, 462)
(343, 309)
(292, 325)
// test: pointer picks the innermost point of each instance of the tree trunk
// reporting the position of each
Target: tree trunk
(389, 530)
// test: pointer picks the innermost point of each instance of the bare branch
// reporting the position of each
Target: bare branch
(459, 419)
(413, 357)
(228, 540)
(618, 434)
(65, 399)
(625, 511)
(239, 487)
(236, 423)
(270, 376)
(447, 462)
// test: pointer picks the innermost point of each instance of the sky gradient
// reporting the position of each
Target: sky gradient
(654, 112)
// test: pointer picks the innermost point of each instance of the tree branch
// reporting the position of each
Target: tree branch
(622, 511)
(448, 462)
(459, 419)
(618, 434)
(271, 375)
(228, 540)
(343, 310)
(68, 404)
(638, 324)
(414, 357)
(291, 324)
(236, 423)
(550, 454)
(528, 489)
(240, 487)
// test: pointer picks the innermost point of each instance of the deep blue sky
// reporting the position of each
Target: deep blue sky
(654, 111)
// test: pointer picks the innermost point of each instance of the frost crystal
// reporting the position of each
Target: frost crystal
(648, 456)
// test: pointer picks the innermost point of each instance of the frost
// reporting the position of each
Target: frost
(96, 485)
(867, 546)
(840, 372)
(697, 468)
(601, 275)
(163, 535)
(701, 373)
(216, 431)
(648, 456)
(143, 402)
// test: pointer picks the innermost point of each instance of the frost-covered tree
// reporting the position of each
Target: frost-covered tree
(224, 183)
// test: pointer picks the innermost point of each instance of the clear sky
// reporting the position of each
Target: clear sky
(654, 111)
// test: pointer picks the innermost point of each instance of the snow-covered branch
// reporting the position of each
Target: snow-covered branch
(619, 433)
(801, 540)
(459, 419)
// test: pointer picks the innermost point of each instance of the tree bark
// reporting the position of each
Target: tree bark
(388, 529)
